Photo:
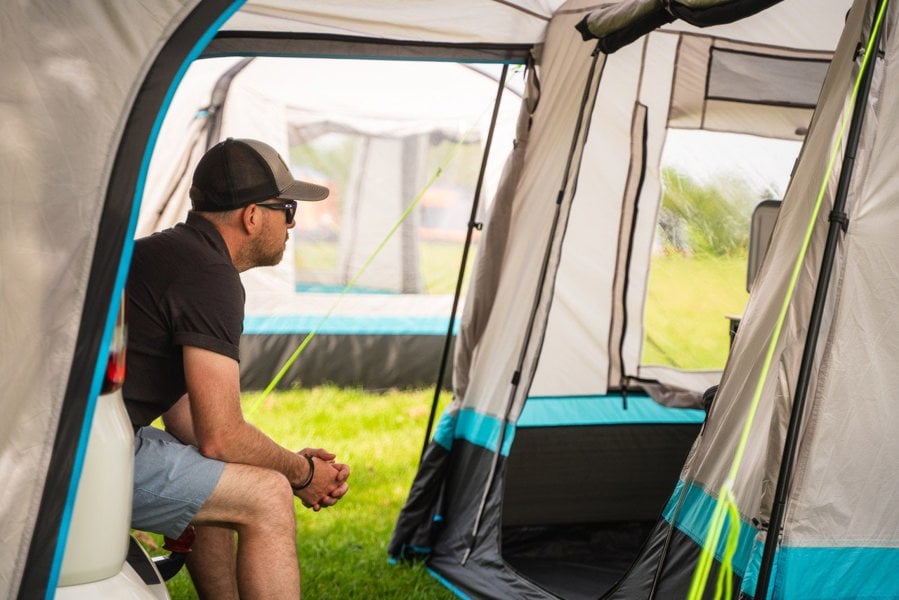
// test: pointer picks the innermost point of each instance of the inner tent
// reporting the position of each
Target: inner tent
(575, 406)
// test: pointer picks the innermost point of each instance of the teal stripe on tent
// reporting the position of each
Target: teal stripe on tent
(555, 411)
(480, 430)
(445, 431)
(830, 572)
(320, 288)
(347, 325)
(559, 411)
(694, 517)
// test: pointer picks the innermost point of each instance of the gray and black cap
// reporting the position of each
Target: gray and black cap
(238, 172)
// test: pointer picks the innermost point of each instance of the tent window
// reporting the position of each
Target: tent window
(760, 79)
(744, 88)
(712, 182)
(338, 240)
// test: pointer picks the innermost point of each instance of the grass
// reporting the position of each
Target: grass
(343, 550)
(688, 301)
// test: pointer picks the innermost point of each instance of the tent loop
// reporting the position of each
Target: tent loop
(472, 225)
(791, 441)
(840, 218)
(541, 282)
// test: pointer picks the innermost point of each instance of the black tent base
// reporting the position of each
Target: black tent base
(575, 561)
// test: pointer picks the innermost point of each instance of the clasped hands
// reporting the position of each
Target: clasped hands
(329, 481)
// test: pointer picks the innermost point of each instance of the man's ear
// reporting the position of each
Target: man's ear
(250, 218)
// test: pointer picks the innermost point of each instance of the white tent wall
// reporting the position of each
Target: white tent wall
(603, 247)
(496, 358)
(748, 355)
(468, 22)
(376, 196)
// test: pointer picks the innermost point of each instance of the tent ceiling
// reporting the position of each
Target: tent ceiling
(473, 22)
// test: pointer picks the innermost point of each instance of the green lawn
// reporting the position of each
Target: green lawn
(343, 549)
(687, 306)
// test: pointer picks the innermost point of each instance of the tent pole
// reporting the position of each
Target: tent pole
(217, 100)
(838, 222)
(541, 281)
(472, 225)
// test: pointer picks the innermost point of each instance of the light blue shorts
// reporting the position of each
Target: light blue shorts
(171, 482)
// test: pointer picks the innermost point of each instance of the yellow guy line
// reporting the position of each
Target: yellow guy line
(725, 503)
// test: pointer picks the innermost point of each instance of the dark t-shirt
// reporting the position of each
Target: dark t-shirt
(182, 290)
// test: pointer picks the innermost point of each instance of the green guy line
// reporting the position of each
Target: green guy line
(725, 502)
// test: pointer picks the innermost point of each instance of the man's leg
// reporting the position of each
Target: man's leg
(259, 505)
(212, 564)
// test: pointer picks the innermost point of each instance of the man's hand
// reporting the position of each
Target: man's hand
(329, 483)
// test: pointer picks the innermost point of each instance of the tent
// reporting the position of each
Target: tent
(550, 344)
(538, 480)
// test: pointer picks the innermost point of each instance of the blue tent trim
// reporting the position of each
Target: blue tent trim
(559, 411)
(610, 409)
(347, 325)
(693, 519)
(446, 583)
(829, 572)
(480, 430)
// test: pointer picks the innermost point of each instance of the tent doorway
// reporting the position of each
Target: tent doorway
(624, 452)
(375, 266)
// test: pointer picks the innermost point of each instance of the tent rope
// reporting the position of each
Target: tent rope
(725, 503)
(349, 286)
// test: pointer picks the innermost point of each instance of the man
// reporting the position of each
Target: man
(185, 304)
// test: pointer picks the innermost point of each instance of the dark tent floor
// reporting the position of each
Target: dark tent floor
(575, 562)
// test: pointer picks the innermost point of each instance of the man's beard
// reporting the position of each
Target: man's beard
(263, 256)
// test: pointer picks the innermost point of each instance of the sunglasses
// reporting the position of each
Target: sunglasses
(288, 206)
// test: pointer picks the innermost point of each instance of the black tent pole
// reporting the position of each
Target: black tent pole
(472, 225)
(838, 222)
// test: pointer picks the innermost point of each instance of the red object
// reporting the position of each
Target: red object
(183, 543)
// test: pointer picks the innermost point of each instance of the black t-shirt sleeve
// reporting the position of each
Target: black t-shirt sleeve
(206, 309)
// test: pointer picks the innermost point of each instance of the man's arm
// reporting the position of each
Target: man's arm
(220, 431)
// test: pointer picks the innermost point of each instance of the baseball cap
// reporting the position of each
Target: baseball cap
(237, 172)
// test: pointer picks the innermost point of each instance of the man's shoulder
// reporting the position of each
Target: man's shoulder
(181, 243)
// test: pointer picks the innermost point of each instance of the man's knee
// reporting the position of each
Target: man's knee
(273, 496)
(247, 495)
